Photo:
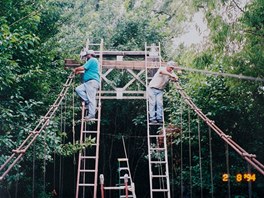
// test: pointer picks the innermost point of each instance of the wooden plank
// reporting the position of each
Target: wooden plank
(122, 53)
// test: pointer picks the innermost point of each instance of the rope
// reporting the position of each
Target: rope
(200, 158)
(211, 161)
(190, 150)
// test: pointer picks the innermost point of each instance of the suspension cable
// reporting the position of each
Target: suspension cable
(73, 134)
(211, 162)
(60, 165)
(181, 136)
(227, 169)
(190, 151)
(44, 163)
(200, 158)
(172, 166)
(33, 171)
(249, 183)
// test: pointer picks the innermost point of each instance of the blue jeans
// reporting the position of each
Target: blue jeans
(155, 97)
(87, 91)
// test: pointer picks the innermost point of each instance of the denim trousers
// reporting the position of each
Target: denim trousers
(87, 91)
(155, 97)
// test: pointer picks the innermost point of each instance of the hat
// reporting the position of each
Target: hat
(171, 64)
(89, 52)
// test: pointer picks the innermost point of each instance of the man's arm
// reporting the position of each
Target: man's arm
(79, 70)
(172, 75)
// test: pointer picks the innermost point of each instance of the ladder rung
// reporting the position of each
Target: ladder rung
(89, 131)
(158, 162)
(86, 185)
(90, 120)
(155, 123)
(122, 159)
(157, 149)
(159, 176)
(123, 168)
(157, 136)
(87, 171)
(123, 177)
(88, 157)
(160, 190)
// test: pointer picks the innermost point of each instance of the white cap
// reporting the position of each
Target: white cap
(171, 64)
(90, 52)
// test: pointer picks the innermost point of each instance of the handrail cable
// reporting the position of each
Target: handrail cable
(43, 123)
(222, 74)
(250, 158)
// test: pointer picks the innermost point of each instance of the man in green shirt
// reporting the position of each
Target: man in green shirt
(91, 83)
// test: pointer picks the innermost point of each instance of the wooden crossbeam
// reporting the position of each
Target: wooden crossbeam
(107, 64)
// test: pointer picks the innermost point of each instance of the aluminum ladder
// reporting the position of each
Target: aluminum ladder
(122, 170)
(87, 175)
(157, 152)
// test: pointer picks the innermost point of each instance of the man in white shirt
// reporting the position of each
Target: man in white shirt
(155, 91)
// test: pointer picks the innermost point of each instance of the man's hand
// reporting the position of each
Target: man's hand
(175, 79)
(78, 70)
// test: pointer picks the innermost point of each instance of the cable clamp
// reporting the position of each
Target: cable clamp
(249, 155)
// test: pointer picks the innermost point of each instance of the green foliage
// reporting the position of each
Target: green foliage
(70, 149)
(36, 36)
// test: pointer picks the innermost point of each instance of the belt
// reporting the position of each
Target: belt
(156, 88)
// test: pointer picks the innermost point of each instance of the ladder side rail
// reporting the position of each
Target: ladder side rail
(98, 123)
(132, 185)
(148, 130)
(80, 152)
(166, 163)
(250, 158)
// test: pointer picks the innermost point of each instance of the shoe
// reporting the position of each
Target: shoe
(89, 117)
(153, 121)
(160, 121)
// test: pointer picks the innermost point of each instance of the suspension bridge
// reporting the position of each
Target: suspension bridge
(140, 66)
